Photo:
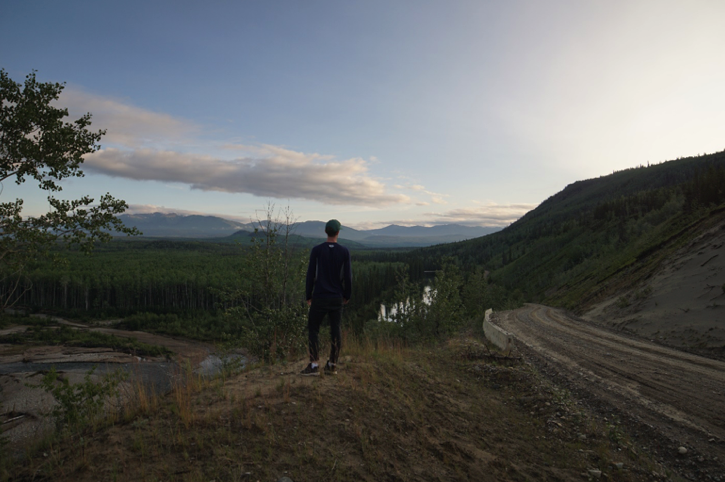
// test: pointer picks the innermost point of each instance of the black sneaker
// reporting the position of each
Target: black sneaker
(330, 369)
(309, 371)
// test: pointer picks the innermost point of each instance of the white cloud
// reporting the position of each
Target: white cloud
(125, 124)
(283, 174)
(435, 197)
(483, 215)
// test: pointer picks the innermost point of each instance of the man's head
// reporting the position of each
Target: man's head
(332, 228)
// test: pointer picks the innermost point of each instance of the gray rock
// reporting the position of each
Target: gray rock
(284, 479)
(682, 450)
(595, 473)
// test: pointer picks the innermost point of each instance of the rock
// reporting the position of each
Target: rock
(682, 450)
(582, 436)
(284, 479)
(595, 473)
(619, 465)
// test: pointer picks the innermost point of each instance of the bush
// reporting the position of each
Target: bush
(268, 309)
(77, 405)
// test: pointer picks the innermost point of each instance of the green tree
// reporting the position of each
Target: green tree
(446, 311)
(268, 305)
(36, 143)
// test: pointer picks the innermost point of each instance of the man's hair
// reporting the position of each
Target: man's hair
(332, 227)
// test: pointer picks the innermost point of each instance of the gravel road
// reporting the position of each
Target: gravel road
(676, 397)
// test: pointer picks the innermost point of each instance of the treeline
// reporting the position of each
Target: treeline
(707, 188)
(127, 277)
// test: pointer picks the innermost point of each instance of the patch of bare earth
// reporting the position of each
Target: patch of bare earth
(682, 304)
(437, 414)
(667, 398)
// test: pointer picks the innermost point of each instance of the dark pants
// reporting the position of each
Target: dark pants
(332, 307)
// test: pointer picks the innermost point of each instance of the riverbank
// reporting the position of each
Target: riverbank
(24, 408)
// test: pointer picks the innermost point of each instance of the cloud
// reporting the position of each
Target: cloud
(281, 173)
(125, 124)
(141, 150)
(435, 197)
(484, 215)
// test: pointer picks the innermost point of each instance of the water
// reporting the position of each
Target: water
(157, 375)
(213, 365)
(385, 314)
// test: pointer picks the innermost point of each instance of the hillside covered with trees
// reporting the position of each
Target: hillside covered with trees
(598, 235)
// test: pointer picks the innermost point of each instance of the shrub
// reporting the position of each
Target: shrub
(77, 405)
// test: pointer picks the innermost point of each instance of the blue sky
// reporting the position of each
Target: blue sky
(372, 112)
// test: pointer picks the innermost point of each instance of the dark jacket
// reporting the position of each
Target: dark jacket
(329, 274)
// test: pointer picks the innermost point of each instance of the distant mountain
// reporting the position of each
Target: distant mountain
(180, 226)
(455, 230)
(316, 229)
(195, 226)
(397, 236)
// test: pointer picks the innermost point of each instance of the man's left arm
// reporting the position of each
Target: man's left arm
(311, 276)
(347, 278)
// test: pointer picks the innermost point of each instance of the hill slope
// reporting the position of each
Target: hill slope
(390, 414)
(601, 235)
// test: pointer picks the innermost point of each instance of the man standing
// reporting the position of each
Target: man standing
(328, 288)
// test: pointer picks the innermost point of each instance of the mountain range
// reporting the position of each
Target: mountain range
(197, 226)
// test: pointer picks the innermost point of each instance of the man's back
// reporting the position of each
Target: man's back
(329, 273)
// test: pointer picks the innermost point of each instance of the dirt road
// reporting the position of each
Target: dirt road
(669, 394)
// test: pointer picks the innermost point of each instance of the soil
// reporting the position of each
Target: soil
(682, 304)
(668, 398)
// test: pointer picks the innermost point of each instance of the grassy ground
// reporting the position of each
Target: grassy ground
(391, 413)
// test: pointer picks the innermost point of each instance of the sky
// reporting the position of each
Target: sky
(410, 112)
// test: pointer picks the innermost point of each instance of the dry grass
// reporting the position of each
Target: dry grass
(392, 413)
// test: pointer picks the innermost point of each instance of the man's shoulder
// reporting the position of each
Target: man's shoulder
(327, 245)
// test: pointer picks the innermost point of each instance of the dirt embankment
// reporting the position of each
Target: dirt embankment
(682, 304)
(673, 398)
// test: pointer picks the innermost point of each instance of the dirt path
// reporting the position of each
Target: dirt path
(678, 396)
